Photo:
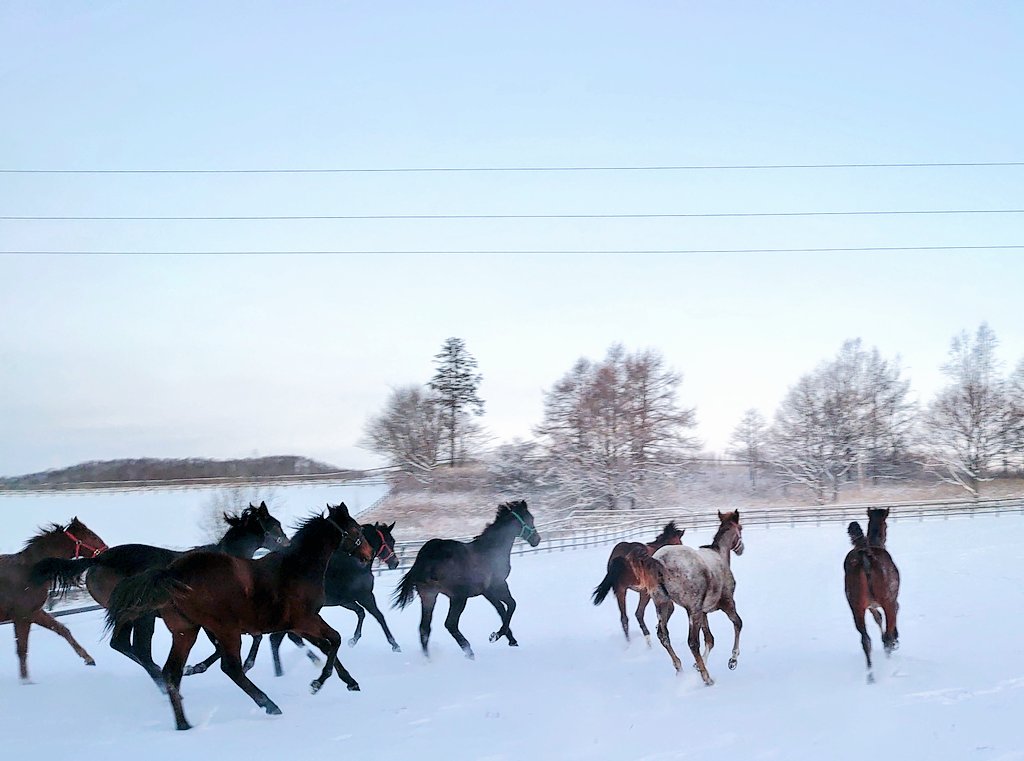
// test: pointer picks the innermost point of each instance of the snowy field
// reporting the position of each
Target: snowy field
(573, 690)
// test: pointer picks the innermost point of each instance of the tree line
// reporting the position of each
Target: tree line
(614, 432)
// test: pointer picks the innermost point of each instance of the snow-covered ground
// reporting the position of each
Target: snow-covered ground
(573, 690)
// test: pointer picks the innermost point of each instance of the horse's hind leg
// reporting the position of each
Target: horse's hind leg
(121, 641)
(356, 608)
(181, 644)
(47, 621)
(250, 659)
(231, 664)
(890, 637)
(451, 623)
(665, 609)
(21, 629)
(729, 608)
(709, 638)
(369, 602)
(644, 599)
(876, 613)
(427, 600)
(620, 598)
(693, 640)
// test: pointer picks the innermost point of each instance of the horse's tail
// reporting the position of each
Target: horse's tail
(615, 571)
(407, 586)
(856, 535)
(61, 573)
(140, 594)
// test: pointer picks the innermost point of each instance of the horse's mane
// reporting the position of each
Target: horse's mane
(312, 524)
(876, 526)
(504, 510)
(669, 531)
(236, 520)
(45, 531)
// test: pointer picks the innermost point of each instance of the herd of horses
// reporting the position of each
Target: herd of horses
(224, 591)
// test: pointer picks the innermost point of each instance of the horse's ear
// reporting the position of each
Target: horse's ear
(736, 515)
(392, 526)
(263, 508)
(719, 515)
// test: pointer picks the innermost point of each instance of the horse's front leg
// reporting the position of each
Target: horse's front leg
(47, 621)
(329, 641)
(504, 596)
(729, 608)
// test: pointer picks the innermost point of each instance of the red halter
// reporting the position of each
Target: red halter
(79, 544)
(384, 546)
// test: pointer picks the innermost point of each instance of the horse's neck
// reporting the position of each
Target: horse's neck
(240, 542)
(498, 537)
(656, 545)
(311, 553)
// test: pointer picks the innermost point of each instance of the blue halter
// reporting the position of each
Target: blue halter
(527, 531)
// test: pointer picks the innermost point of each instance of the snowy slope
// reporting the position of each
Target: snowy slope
(573, 690)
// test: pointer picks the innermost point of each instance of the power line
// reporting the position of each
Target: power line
(848, 249)
(324, 217)
(624, 168)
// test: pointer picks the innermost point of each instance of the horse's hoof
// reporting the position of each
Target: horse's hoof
(314, 686)
(273, 710)
(494, 637)
(396, 649)
(352, 642)
(709, 682)
(354, 687)
(871, 678)
(732, 664)
(90, 662)
(513, 643)
(184, 725)
(469, 654)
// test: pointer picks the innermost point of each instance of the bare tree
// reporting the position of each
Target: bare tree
(965, 426)
(613, 430)
(1013, 429)
(231, 499)
(455, 386)
(848, 418)
(749, 442)
(408, 431)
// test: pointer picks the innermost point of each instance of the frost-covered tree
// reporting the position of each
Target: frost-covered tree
(965, 425)
(613, 430)
(1013, 429)
(749, 442)
(847, 419)
(408, 431)
(455, 385)
(516, 467)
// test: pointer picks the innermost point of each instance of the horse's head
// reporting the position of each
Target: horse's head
(351, 532)
(381, 533)
(876, 526)
(274, 537)
(730, 533)
(86, 543)
(528, 531)
(670, 535)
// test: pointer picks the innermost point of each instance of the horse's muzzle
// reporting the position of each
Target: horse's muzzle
(534, 539)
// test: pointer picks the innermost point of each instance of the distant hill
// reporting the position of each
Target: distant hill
(153, 469)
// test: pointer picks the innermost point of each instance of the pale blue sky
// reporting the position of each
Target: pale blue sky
(223, 356)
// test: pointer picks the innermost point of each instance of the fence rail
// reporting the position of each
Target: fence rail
(590, 528)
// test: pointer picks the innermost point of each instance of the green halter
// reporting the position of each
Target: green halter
(527, 531)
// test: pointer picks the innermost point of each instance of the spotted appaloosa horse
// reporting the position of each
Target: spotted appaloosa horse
(22, 597)
(461, 570)
(701, 581)
(620, 576)
(872, 582)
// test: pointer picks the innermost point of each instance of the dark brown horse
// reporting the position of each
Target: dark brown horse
(228, 596)
(872, 582)
(22, 598)
(460, 570)
(254, 528)
(619, 576)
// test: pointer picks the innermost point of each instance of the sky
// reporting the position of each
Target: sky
(226, 355)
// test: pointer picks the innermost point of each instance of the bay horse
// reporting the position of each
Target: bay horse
(229, 596)
(253, 529)
(460, 570)
(348, 582)
(22, 597)
(701, 582)
(872, 582)
(619, 576)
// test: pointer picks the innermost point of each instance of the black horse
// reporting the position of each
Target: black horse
(247, 532)
(461, 570)
(348, 582)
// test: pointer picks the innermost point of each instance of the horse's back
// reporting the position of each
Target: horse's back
(622, 549)
(695, 578)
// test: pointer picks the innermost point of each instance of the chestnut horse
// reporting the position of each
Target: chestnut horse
(228, 596)
(872, 582)
(621, 578)
(253, 529)
(22, 598)
(701, 582)
(460, 570)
